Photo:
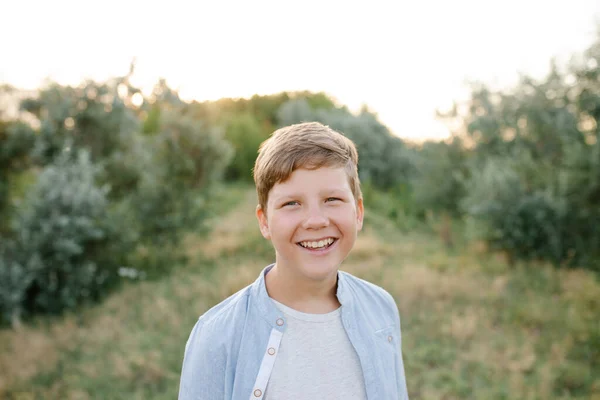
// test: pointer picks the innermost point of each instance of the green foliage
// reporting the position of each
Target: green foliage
(442, 169)
(219, 112)
(16, 139)
(579, 374)
(533, 172)
(118, 206)
(97, 117)
(193, 153)
(152, 122)
(524, 223)
(245, 134)
(317, 101)
(64, 249)
(176, 169)
(90, 116)
(396, 205)
(384, 159)
(16, 277)
(247, 123)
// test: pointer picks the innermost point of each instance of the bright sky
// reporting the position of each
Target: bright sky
(402, 59)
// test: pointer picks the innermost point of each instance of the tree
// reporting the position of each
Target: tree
(384, 159)
(543, 135)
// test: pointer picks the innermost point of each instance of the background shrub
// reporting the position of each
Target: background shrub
(63, 254)
(384, 159)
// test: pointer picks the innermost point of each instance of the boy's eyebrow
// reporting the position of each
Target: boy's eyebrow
(334, 191)
(286, 196)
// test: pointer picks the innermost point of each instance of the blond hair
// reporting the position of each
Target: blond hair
(308, 145)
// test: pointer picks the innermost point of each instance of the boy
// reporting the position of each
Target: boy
(303, 329)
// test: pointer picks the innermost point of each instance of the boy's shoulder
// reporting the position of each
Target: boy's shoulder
(227, 310)
(365, 286)
(368, 293)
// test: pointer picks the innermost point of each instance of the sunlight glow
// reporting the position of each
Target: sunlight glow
(137, 100)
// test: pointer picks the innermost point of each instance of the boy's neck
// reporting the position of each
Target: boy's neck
(301, 295)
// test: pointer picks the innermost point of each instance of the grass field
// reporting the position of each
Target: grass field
(473, 327)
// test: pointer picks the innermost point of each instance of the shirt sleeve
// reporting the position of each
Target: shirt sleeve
(203, 371)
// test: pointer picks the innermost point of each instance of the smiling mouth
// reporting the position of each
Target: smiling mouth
(317, 245)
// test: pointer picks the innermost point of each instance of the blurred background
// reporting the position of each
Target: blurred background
(128, 132)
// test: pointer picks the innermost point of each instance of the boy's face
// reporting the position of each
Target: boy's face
(312, 219)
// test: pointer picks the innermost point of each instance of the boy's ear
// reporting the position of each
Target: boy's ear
(360, 214)
(262, 222)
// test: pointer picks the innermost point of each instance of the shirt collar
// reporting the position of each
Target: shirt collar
(271, 313)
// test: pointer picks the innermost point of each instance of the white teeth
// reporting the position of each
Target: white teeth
(317, 245)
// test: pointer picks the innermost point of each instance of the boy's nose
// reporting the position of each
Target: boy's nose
(315, 220)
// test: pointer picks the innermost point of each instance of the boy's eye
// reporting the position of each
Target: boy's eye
(333, 199)
(290, 203)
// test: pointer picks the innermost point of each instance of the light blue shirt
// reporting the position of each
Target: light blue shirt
(232, 348)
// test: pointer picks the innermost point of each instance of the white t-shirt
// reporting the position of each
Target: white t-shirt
(316, 360)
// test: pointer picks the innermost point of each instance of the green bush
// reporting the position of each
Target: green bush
(396, 205)
(527, 222)
(384, 159)
(245, 134)
(64, 252)
(439, 183)
(534, 162)
(90, 116)
(16, 140)
(16, 276)
(176, 169)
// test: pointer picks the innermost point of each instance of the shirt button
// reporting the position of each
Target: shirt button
(279, 321)
(390, 339)
(271, 351)
(257, 393)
